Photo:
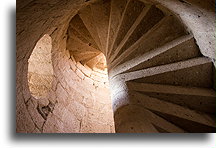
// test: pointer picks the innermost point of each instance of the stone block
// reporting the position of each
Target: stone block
(80, 74)
(83, 69)
(24, 120)
(71, 123)
(72, 65)
(53, 125)
(77, 109)
(62, 95)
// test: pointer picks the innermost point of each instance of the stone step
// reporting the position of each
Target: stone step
(133, 126)
(83, 56)
(132, 12)
(200, 99)
(77, 36)
(173, 51)
(140, 114)
(163, 125)
(146, 20)
(100, 12)
(196, 72)
(92, 62)
(116, 15)
(88, 58)
(78, 28)
(79, 56)
(74, 44)
(87, 18)
(161, 106)
(163, 32)
(133, 119)
(195, 127)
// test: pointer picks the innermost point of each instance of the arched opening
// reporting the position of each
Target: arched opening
(40, 68)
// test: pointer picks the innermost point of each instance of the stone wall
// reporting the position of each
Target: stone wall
(82, 102)
(78, 101)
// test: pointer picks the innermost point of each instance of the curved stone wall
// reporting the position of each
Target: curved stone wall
(76, 103)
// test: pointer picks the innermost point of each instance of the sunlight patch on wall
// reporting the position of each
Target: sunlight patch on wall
(40, 69)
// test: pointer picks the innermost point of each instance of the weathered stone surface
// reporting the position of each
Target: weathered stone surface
(91, 126)
(62, 95)
(35, 115)
(78, 110)
(24, 121)
(70, 122)
(80, 74)
(73, 65)
(53, 125)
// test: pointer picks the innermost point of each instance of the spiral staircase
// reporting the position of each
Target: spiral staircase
(160, 82)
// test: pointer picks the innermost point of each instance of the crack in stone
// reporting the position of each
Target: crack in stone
(45, 110)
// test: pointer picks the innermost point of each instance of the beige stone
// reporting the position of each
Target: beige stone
(62, 95)
(35, 115)
(78, 110)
